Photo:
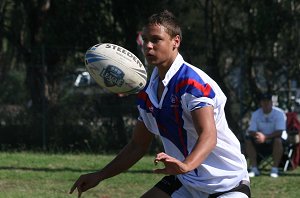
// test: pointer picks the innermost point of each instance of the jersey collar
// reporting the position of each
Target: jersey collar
(154, 79)
(170, 73)
(173, 69)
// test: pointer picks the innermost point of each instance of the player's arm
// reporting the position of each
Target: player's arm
(275, 134)
(129, 155)
(204, 123)
(261, 137)
(205, 126)
(280, 126)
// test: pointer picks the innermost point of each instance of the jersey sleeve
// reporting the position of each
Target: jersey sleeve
(196, 95)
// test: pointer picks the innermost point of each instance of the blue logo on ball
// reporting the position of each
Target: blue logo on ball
(112, 76)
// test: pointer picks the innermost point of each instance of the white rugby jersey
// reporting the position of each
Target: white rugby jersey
(188, 88)
(268, 123)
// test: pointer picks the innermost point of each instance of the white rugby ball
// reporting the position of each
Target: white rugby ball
(115, 68)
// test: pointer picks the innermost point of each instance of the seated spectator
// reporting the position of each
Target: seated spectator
(266, 126)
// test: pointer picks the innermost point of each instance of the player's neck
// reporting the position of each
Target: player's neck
(164, 67)
(162, 72)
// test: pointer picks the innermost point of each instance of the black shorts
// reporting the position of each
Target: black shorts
(243, 187)
(169, 184)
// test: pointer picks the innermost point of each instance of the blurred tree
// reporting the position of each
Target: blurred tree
(246, 46)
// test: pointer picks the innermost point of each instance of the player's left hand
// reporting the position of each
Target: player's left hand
(260, 137)
(172, 165)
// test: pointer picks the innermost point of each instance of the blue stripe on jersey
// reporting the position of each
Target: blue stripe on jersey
(188, 81)
(200, 105)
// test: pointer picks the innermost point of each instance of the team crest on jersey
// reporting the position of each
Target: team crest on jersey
(151, 109)
(174, 100)
(112, 76)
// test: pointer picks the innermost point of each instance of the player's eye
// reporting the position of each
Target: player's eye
(145, 40)
(154, 40)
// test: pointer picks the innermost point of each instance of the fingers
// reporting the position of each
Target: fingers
(161, 157)
(156, 159)
(166, 160)
(79, 193)
(73, 188)
(77, 185)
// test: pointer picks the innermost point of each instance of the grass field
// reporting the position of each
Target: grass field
(38, 175)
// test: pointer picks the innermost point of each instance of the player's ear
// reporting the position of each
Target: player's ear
(176, 41)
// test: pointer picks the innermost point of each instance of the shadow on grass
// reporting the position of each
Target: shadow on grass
(65, 169)
(282, 174)
(263, 173)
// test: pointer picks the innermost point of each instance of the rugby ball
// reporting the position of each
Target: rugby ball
(115, 68)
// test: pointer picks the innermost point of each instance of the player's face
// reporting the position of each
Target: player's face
(266, 105)
(159, 48)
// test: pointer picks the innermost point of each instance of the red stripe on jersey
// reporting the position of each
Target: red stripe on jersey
(143, 96)
(204, 89)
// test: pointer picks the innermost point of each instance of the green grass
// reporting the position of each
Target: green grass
(27, 174)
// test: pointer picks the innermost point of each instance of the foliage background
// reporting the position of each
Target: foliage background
(247, 46)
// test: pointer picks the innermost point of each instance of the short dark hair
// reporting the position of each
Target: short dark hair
(265, 96)
(168, 20)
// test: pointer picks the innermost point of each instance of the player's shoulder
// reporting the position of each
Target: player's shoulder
(278, 111)
(191, 67)
(198, 73)
(218, 95)
(258, 112)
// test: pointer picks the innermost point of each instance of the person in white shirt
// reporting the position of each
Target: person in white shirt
(264, 134)
(185, 108)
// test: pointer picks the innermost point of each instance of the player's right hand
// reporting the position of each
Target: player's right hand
(85, 182)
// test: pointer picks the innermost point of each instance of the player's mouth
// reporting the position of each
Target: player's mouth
(149, 55)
